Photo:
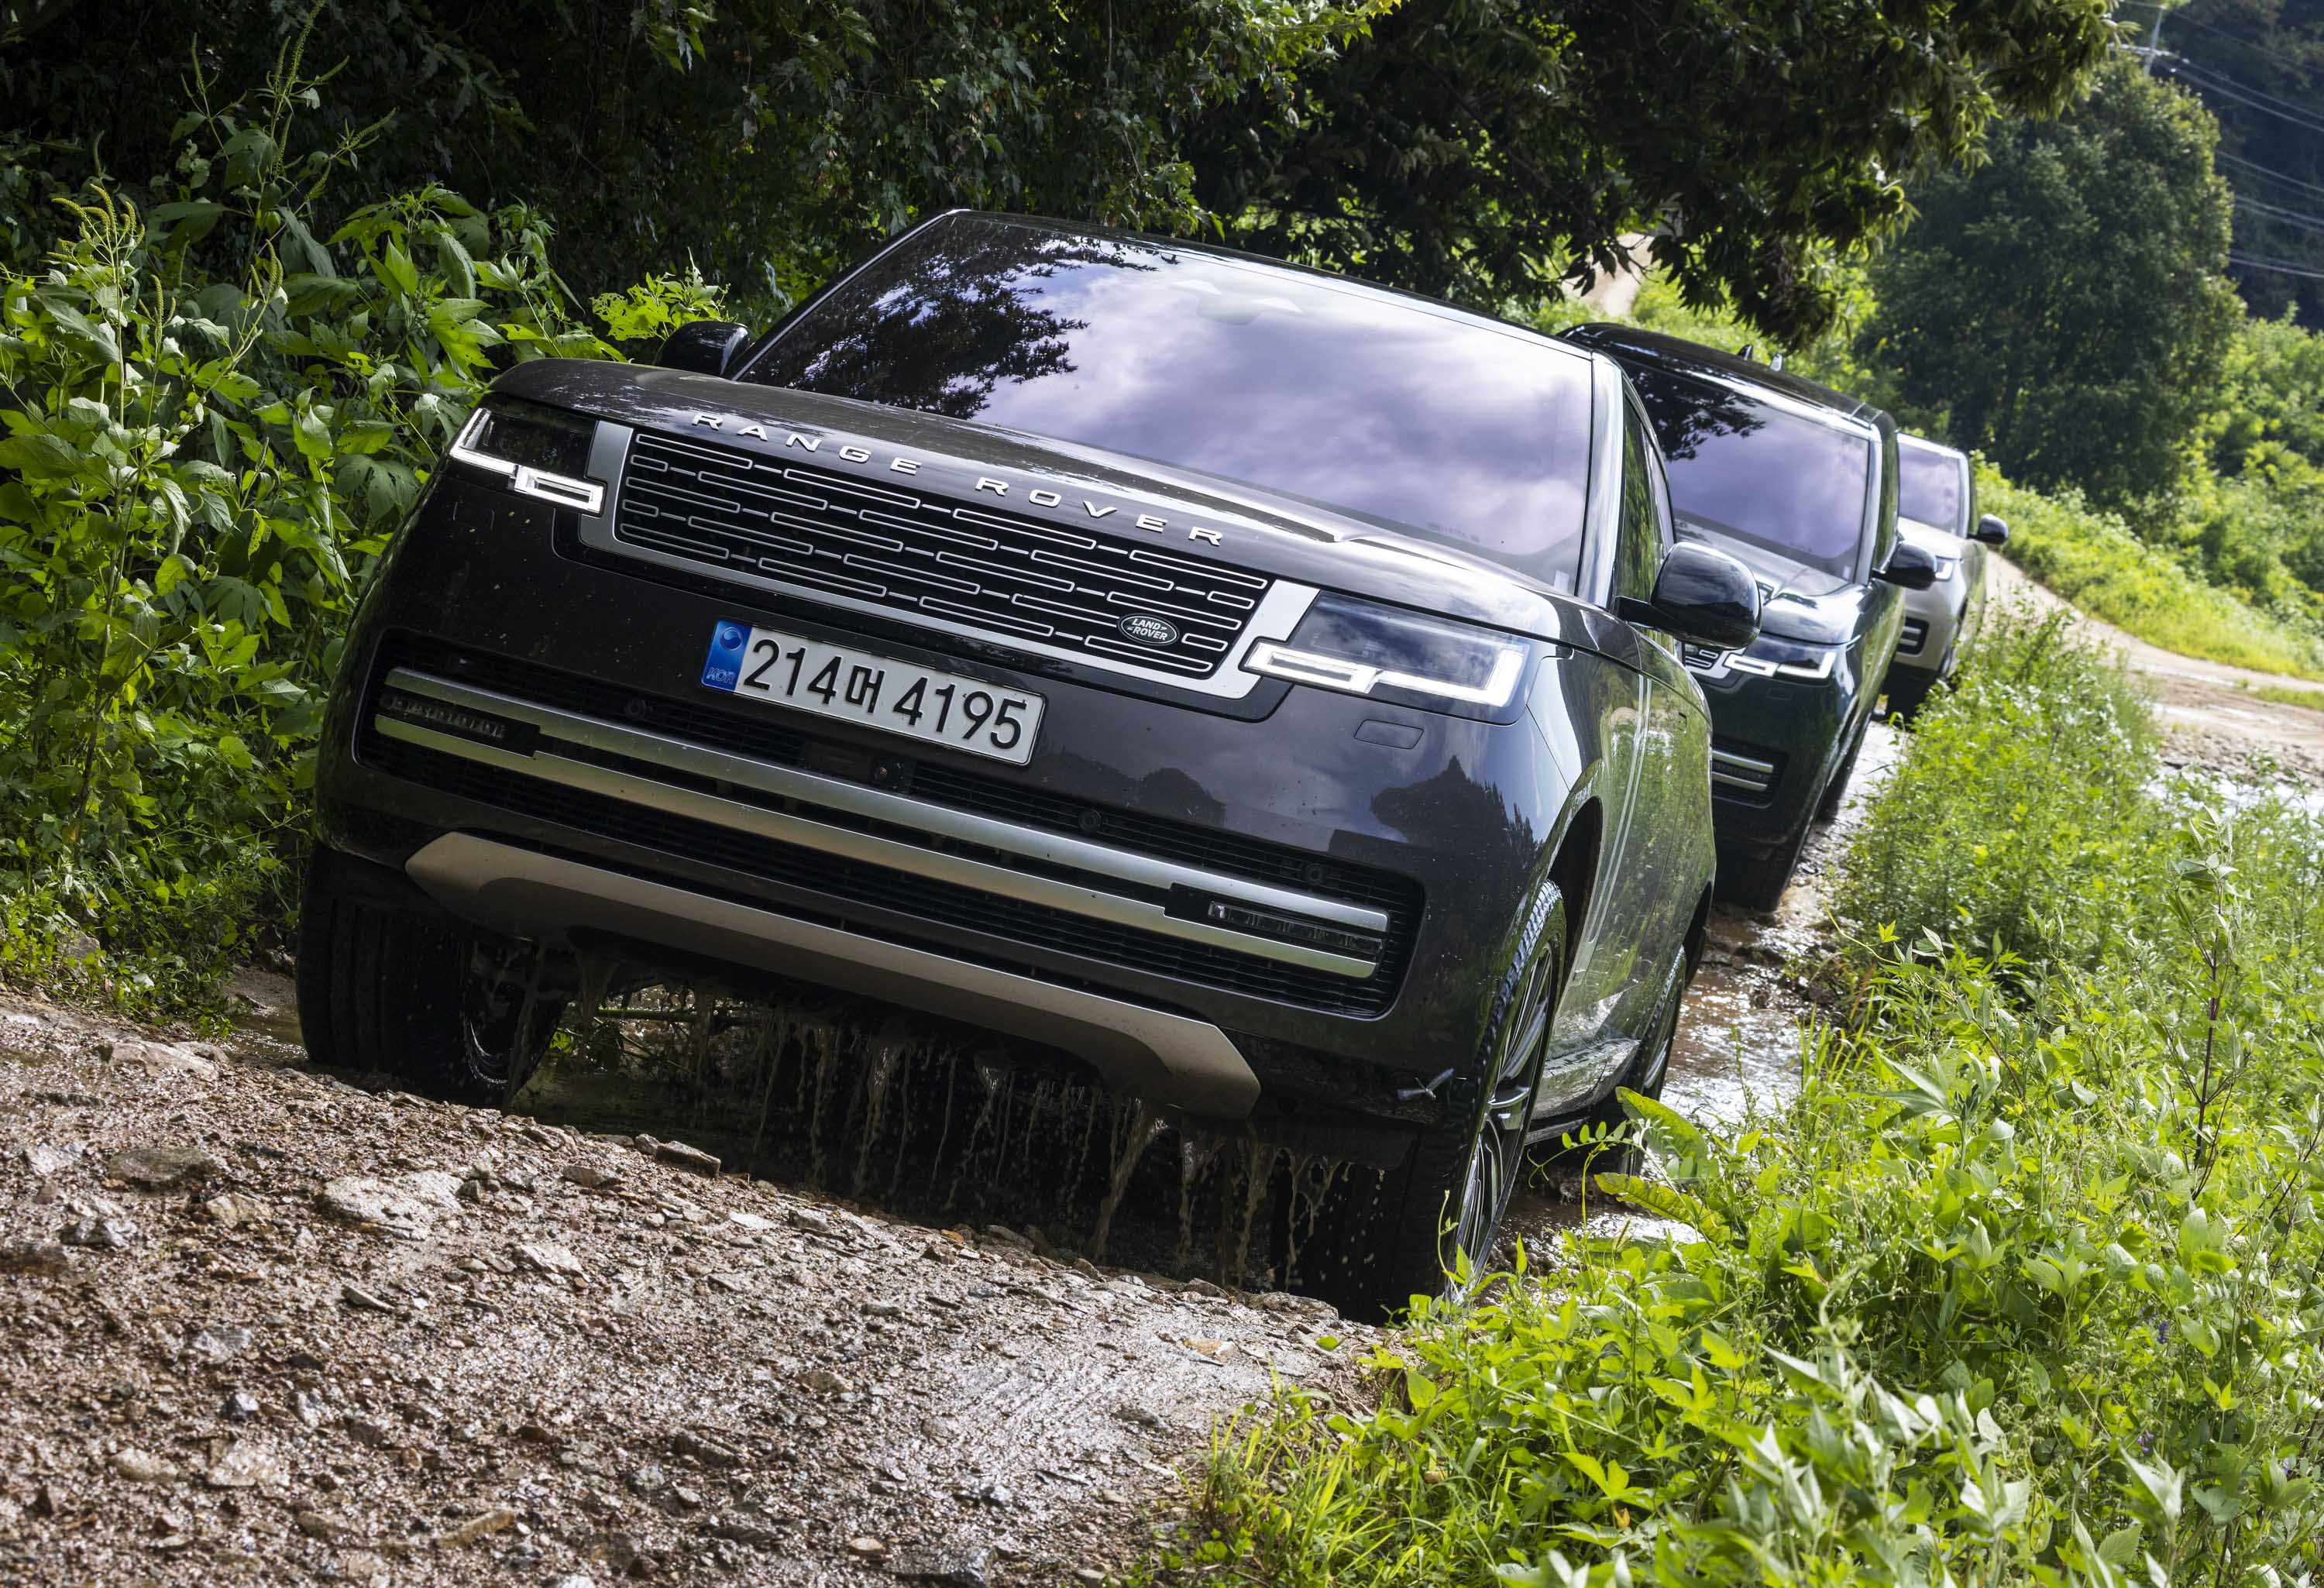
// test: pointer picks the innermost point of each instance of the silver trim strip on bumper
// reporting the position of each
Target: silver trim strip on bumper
(878, 805)
(1170, 1059)
(1758, 776)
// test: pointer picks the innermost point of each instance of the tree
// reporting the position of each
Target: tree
(1481, 149)
(768, 141)
(2062, 306)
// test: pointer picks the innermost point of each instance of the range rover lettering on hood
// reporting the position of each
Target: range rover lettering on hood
(1041, 496)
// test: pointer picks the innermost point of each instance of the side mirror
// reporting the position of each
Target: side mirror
(1701, 596)
(706, 347)
(1992, 530)
(1910, 567)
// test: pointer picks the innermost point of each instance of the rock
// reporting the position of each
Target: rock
(162, 1168)
(233, 1209)
(575, 1580)
(141, 1466)
(1008, 1237)
(246, 1463)
(743, 1530)
(34, 1257)
(162, 1057)
(813, 1220)
(692, 1159)
(407, 1212)
(883, 1309)
(363, 1300)
(645, 1143)
(943, 1430)
(101, 1234)
(648, 1479)
(589, 1177)
(364, 1565)
(48, 1501)
(331, 1529)
(239, 1407)
(546, 1257)
(1130, 1411)
(749, 1221)
(866, 1548)
(1205, 1287)
(957, 1567)
(309, 1409)
(45, 1159)
(709, 1451)
(218, 1345)
(498, 1520)
(824, 1381)
(363, 1431)
(1088, 1574)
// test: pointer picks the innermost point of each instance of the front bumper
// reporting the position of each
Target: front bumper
(1208, 906)
(1775, 740)
(1932, 622)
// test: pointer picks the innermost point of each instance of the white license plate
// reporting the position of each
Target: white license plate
(856, 686)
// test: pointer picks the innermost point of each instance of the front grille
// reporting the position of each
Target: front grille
(845, 879)
(957, 564)
(1916, 635)
(1747, 773)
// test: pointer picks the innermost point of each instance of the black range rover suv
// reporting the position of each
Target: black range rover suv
(1208, 670)
(1800, 482)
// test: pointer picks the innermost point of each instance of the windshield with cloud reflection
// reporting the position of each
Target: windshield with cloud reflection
(1760, 475)
(1423, 418)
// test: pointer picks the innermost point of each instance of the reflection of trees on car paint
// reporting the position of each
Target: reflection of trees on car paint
(943, 338)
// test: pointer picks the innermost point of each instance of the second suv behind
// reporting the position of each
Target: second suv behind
(1800, 482)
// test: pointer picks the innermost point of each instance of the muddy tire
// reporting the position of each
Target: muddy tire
(388, 989)
(1835, 793)
(1384, 1238)
(1757, 881)
(1907, 693)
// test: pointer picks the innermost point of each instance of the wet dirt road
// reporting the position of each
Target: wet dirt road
(258, 1324)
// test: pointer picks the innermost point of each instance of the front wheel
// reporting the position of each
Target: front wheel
(1380, 1243)
(1757, 881)
(397, 989)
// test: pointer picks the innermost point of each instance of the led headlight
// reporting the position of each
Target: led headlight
(1946, 568)
(536, 451)
(1363, 649)
(1799, 663)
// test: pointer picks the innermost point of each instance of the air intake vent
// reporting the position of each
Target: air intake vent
(959, 564)
(1916, 635)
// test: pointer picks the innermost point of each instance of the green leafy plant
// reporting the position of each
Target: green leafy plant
(217, 412)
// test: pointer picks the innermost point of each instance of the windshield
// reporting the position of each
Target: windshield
(1764, 475)
(1929, 482)
(1437, 423)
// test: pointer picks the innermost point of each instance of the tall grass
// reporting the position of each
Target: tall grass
(2021, 1289)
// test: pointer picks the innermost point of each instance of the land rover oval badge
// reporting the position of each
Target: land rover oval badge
(1149, 630)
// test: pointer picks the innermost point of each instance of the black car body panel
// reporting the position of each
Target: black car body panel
(1788, 711)
(522, 696)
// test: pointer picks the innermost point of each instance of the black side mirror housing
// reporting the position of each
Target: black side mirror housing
(705, 346)
(1704, 596)
(1992, 530)
(1910, 567)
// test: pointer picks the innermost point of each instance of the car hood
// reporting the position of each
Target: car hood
(1798, 601)
(1929, 537)
(1285, 537)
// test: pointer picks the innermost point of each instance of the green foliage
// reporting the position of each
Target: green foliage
(1477, 148)
(773, 141)
(2021, 1289)
(2061, 307)
(217, 412)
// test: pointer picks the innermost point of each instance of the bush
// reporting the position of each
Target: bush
(217, 412)
(2021, 1289)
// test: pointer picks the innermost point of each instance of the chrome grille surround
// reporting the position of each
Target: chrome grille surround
(1915, 634)
(1048, 589)
(1749, 775)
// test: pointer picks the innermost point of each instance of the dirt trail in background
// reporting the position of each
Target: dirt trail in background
(2216, 721)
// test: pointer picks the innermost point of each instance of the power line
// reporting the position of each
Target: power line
(2274, 267)
(2201, 80)
(2291, 218)
(2257, 170)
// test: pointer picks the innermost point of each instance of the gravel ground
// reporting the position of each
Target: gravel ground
(260, 1326)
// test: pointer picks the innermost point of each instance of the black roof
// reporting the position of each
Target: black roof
(1696, 358)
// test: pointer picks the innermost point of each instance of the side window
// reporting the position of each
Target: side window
(1646, 518)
